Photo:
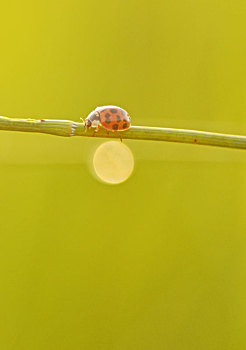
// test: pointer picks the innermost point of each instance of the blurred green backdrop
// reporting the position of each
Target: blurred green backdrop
(159, 261)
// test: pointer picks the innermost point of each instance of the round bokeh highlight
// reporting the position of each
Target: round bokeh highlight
(113, 162)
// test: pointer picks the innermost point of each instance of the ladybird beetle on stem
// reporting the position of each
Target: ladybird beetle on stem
(111, 118)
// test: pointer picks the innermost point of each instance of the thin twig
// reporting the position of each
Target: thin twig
(70, 128)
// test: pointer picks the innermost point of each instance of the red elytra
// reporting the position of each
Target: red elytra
(114, 118)
(111, 118)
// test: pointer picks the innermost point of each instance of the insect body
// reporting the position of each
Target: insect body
(111, 118)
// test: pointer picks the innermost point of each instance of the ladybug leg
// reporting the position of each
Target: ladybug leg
(120, 137)
(119, 134)
(96, 130)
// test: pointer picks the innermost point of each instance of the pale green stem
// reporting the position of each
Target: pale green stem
(71, 128)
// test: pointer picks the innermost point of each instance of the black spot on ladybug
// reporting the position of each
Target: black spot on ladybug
(115, 127)
(107, 117)
(123, 112)
(124, 125)
(125, 120)
(113, 110)
(118, 118)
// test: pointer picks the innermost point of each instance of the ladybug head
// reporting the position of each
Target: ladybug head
(92, 120)
(87, 123)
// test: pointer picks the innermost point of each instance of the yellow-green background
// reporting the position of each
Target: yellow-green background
(159, 261)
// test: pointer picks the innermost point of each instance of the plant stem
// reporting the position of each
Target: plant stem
(71, 128)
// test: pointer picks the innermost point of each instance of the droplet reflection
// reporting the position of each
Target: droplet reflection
(113, 162)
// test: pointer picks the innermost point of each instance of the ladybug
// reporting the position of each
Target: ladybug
(111, 118)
